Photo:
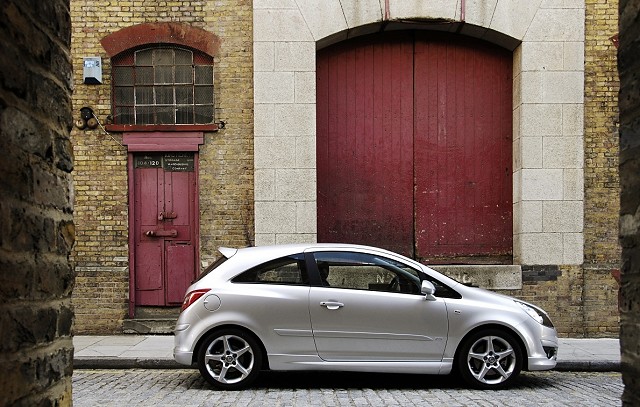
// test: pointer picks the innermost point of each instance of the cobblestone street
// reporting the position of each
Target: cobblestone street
(186, 388)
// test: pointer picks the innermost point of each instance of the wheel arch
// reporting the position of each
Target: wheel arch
(504, 328)
(263, 349)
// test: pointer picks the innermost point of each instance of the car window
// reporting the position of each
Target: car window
(361, 271)
(286, 270)
(212, 267)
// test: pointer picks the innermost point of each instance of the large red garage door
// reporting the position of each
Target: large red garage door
(414, 146)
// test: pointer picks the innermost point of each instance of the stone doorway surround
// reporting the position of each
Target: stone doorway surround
(547, 40)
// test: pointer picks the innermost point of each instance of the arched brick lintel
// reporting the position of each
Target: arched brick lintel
(160, 33)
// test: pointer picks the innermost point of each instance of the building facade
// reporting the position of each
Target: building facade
(478, 137)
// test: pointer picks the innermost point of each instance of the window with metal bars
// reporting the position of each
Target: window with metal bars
(162, 86)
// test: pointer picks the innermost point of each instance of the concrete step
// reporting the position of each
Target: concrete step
(149, 325)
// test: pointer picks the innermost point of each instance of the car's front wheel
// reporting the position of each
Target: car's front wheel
(229, 359)
(490, 359)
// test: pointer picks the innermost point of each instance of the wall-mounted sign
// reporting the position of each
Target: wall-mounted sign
(148, 161)
(182, 162)
(175, 162)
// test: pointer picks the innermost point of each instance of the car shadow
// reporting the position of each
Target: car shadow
(376, 381)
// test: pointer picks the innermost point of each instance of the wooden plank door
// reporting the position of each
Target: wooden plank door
(365, 144)
(414, 146)
(164, 227)
(463, 164)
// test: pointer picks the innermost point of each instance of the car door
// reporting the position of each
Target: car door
(369, 308)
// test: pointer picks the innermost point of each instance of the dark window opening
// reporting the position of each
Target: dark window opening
(163, 86)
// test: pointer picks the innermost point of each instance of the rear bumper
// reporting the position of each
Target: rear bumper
(181, 353)
(183, 357)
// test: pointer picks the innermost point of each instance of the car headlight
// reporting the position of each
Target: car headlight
(536, 313)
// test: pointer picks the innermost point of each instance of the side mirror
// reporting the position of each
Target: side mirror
(428, 289)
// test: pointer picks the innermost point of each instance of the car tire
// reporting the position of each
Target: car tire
(489, 359)
(229, 359)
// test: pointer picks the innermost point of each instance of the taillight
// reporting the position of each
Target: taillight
(192, 297)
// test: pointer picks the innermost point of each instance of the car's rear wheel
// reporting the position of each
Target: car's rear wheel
(490, 359)
(230, 359)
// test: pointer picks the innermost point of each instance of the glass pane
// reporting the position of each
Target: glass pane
(184, 95)
(184, 114)
(204, 75)
(144, 115)
(184, 74)
(144, 75)
(164, 74)
(144, 57)
(204, 114)
(203, 95)
(163, 56)
(164, 115)
(123, 95)
(183, 57)
(164, 95)
(144, 95)
(123, 115)
(123, 75)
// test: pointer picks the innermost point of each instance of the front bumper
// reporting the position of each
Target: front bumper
(547, 359)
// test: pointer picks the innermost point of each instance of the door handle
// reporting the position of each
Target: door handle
(331, 304)
(161, 233)
(167, 215)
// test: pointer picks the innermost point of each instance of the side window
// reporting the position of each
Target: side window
(360, 271)
(287, 270)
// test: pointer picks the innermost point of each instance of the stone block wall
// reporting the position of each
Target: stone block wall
(629, 69)
(101, 254)
(36, 225)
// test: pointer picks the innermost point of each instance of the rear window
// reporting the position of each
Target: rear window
(212, 267)
(289, 270)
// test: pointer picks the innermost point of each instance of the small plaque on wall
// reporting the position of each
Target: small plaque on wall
(178, 162)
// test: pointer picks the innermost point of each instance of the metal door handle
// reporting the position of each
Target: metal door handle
(331, 304)
(161, 233)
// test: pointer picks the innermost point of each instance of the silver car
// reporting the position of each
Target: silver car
(352, 308)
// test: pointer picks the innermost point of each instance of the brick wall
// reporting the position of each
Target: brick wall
(629, 68)
(36, 225)
(226, 158)
(601, 185)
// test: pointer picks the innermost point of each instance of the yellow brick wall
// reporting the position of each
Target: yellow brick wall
(601, 183)
(100, 176)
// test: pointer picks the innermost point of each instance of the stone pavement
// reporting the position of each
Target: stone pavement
(156, 351)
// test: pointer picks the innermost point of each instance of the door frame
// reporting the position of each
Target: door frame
(139, 142)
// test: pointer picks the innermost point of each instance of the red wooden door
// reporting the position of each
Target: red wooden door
(365, 144)
(463, 159)
(414, 146)
(164, 232)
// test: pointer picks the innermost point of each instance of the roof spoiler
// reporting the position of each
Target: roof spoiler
(227, 252)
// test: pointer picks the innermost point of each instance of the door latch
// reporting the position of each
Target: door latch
(167, 215)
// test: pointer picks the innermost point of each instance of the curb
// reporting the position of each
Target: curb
(125, 363)
(147, 363)
(588, 366)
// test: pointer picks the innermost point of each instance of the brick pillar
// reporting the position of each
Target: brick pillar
(36, 225)
(629, 70)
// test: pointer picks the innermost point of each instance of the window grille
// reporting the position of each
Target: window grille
(162, 86)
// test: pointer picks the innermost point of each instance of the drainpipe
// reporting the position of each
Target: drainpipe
(463, 9)
(386, 10)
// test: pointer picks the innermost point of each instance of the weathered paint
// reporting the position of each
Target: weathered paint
(164, 233)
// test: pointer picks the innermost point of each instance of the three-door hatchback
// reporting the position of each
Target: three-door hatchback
(352, 308)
